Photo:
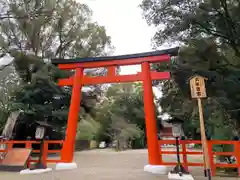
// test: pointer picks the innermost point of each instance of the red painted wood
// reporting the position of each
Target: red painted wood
(16, 157)
(111, 71)
(185, 161)
(68, 145)
(154, 156)
(164, 151)
(112, 79)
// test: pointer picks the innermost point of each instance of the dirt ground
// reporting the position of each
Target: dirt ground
(108, 165)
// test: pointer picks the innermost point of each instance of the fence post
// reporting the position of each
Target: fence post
(45, 152)
(9, 145)
(61, 150)
(28, 143)
(211, 158)
(160, 150)
(184, 153)
(237, 155)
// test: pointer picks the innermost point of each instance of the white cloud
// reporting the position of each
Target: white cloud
(128, 30)
(124, 23)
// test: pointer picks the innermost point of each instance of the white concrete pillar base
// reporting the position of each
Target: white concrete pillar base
(155, 169)
(66, 166)
(35, 171)
(174, 176)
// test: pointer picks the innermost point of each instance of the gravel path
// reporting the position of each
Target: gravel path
(106, 165)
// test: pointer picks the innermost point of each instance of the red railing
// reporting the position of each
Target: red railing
(184, 152)
(28, 144)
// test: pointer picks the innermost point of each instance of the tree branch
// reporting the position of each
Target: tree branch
(231, 29)
(15, 39)
(63, 44)
(211, 31)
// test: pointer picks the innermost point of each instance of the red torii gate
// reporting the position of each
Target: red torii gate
(111, 62)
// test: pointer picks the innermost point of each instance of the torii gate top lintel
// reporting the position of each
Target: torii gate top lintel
(111, 62)
(130, 59)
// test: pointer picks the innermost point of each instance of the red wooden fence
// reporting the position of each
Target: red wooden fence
(28, 144)
(184, 152)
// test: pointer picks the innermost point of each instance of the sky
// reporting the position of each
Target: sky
(124, 23)
(129, 31)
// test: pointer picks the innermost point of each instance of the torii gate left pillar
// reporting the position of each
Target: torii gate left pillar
(146, 76)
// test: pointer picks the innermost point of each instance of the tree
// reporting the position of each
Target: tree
(121, 114)
(185, 20)
(208, 32)
(88, 129)
(34, 31)
(55, 28)
(8, 84)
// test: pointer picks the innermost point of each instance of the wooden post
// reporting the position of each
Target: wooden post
(154, 156)
(45, 153)
(211, 158)
(198, 91)
(204, 163)
(184, 151)
(204, 139)
(69, 143)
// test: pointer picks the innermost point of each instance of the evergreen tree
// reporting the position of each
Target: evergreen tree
(33, 32)
(208, 33)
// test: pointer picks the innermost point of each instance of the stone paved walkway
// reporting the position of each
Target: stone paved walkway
(106, 165)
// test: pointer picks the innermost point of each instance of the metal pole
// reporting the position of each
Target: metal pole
(178, 169)
(177, 145)
(178, 157)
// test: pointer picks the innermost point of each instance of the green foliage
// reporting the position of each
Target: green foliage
(88, 129)
(186, 20)
(8, 84)
(54, 28)
(121, 112)
(208, 32)
(34, 31)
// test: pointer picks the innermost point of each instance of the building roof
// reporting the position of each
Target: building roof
(42, 123)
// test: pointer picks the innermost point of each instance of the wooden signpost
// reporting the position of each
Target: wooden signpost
(198, 91)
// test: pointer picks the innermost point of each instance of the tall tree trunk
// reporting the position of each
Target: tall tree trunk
(8, 130)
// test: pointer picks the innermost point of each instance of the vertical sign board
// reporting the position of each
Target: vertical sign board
(198, 91)
(197, 85)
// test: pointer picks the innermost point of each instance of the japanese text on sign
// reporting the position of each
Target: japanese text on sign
(197, 85)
